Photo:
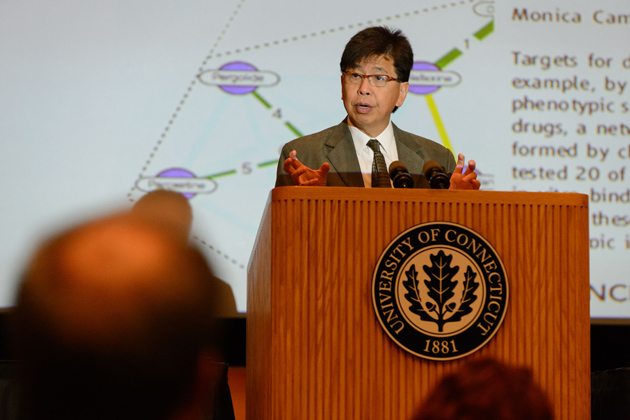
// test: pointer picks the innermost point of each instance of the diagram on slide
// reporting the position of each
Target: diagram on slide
(261, 87)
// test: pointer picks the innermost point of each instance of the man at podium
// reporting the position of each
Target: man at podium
(375, 68)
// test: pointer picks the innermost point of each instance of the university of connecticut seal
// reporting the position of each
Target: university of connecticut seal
(440, 291)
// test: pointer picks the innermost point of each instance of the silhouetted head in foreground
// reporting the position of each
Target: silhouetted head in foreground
(172, 210)
(113, 321)
(486, 390)
(169, 208)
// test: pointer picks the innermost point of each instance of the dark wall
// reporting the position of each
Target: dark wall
(232, 330)
(234, 338)
(610, 344)
(610, 347)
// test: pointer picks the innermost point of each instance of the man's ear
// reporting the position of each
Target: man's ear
(402, 94)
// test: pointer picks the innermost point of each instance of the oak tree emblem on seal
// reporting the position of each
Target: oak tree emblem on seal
(440, 291)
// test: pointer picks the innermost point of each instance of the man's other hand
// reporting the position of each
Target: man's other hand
(461, 180)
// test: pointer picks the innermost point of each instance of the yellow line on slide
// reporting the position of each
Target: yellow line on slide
(438, 123)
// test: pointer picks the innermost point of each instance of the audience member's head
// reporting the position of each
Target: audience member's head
(113, 321)
(166, 207)
(487, 390)
(173, 211)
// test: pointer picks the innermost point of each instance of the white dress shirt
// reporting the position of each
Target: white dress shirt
(366, 155)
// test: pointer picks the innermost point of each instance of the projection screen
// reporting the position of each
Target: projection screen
(104, 101)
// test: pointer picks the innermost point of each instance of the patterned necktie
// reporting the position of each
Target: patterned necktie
(380, 176)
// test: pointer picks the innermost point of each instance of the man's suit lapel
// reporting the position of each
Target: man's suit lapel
(408, 151)
(343, 156)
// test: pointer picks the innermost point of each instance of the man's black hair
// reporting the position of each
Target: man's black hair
(379, 41)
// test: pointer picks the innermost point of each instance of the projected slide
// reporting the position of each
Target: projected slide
(200, 99)
(221, 146)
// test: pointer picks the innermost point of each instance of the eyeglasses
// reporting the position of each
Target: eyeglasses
(377, 80)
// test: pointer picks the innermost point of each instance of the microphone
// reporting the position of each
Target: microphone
(436, 176)
(399, 174)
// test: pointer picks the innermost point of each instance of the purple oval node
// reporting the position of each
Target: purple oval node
(422, 89)
(177, 173)
(238, 66)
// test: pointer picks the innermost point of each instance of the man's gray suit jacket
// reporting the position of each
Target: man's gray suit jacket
(335, 146)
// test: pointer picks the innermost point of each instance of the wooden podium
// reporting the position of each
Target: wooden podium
(315, 349)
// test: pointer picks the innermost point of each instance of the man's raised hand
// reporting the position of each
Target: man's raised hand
(467, 180)
(304, 176)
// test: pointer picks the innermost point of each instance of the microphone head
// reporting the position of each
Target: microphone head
(399, 174)
(431, 166)
(397, 166)
(434, 173)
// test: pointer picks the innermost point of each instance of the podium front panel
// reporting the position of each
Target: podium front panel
(315, 349)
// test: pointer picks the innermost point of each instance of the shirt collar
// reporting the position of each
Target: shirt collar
(386, 139)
